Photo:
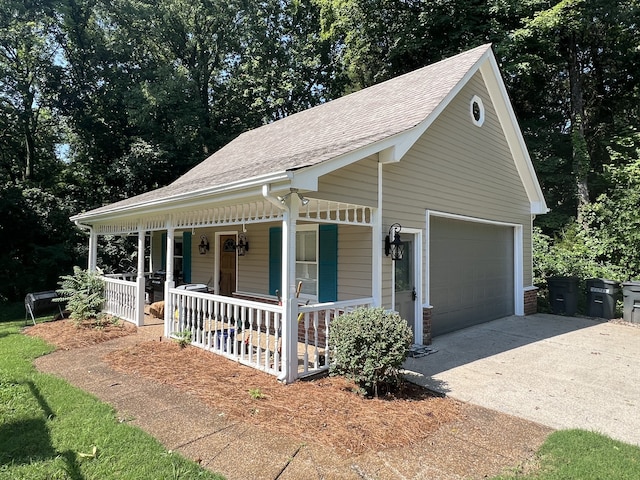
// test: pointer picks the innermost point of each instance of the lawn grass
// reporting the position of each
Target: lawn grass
(52, 430)
(582, 455)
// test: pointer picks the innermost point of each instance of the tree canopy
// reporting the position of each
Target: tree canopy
(104, 99)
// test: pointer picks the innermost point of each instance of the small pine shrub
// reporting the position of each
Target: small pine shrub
(84, 294)
(369, 346)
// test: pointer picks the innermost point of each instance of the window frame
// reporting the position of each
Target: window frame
(309, 228)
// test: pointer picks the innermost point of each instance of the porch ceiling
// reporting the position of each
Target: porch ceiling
(255, 211)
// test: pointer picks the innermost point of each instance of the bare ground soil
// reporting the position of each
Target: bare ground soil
(326, 410)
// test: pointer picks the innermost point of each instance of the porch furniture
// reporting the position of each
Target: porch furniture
(38, 302)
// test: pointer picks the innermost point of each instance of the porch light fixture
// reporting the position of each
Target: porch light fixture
(303, 200)
(204, 245)
(243, 245)
(394, 247)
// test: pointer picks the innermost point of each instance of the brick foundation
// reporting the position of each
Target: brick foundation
(426, 326)
(531, 301)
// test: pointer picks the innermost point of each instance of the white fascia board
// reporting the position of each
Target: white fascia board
(507, 117)
(221, 193)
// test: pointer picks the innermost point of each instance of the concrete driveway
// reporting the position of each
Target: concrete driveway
(562, 372)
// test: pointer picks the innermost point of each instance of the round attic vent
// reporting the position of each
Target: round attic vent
(477, 111)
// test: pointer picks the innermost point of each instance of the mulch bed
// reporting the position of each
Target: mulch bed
(65, 335)
(325, 411)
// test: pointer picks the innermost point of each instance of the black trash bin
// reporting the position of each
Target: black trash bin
(601, 298)
(631, 301)
(563, 295)
(156, 283)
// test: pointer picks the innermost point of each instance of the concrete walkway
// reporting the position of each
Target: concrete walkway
(562, 372)
(481, 443)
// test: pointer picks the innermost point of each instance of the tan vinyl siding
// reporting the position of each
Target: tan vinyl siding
(354, 262)
(202, 265)
(457, 167)
(253, 268)
(356, 183)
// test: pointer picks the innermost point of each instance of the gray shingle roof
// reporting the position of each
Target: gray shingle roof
(323, 132)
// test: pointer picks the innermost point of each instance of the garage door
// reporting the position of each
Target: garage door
(471, 273)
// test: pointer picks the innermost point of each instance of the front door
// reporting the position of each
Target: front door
(405, 284)
(227, 281)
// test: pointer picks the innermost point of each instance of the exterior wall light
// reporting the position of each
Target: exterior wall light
(394, 247)
(303, 200)
(203, 247)
(243, 245)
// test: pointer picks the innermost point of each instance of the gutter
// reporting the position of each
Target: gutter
(189, 197)
(266, 193)
(82, 226)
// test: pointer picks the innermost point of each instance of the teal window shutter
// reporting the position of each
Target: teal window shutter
(275, 260)
(186, 257)
(328, 263)
(163, 252)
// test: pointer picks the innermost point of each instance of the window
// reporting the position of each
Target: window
(477, 111)
(316, 261)
(307, 259)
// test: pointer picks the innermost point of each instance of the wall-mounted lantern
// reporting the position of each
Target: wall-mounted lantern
(203, 247)
(242, 245)
(394, 247)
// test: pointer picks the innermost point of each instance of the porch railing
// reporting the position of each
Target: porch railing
(250, 332)
(246, 331)
(314, 354)
(120, 298)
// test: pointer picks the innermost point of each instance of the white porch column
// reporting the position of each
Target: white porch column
(376, 247)
(289, 322)
(93, 250)
(140, 280)
(169, 283)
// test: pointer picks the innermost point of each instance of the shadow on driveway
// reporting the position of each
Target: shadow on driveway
(563, 372)
(488, 339)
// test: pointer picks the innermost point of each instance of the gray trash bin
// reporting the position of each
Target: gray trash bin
(563, 295)
(631, 301)
(601, 298)
(193, 287)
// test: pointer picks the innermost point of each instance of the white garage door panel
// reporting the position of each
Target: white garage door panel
(471, 273)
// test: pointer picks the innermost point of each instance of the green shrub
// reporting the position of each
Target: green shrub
(369, 345)
(84, 293)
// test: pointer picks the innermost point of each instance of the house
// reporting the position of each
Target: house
(416, 194)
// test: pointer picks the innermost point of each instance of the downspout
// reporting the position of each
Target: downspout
(93, 245)
(289, 359)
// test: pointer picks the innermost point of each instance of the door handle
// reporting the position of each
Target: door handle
(414, 295)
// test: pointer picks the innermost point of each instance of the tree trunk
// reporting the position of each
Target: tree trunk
(580, 153)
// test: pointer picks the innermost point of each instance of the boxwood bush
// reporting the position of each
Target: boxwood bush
(369, 346)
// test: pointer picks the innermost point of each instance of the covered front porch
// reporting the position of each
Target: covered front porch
(265, 280)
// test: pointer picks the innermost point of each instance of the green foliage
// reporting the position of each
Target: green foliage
(607, 242)
(369, 346)
(183, 338)
(49, 429)
(578, 454)
(255, 393)
(36, 240)
(84, 293)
